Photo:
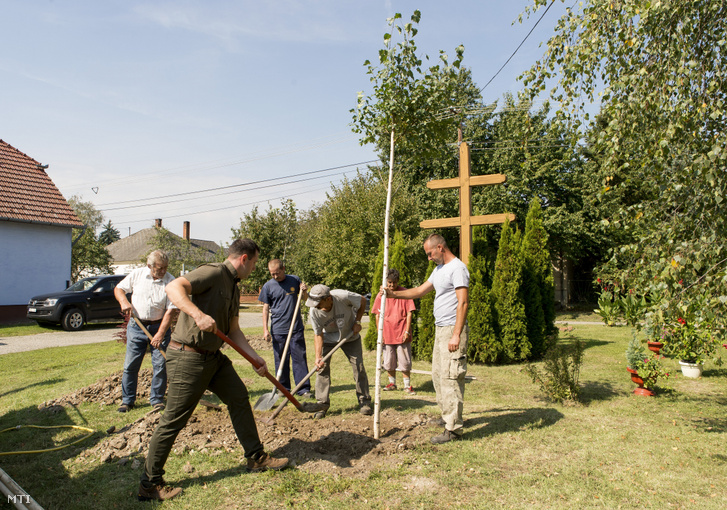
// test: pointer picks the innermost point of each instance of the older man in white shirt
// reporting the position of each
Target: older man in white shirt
(150, 304)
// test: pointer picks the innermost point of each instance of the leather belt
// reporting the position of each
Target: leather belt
(149, 323)
(173, 344)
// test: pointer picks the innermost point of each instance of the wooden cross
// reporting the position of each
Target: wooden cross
(466, 221)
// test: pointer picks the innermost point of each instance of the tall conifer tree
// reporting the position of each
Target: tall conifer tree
(507, 296)
(482, 342)
(537, 281)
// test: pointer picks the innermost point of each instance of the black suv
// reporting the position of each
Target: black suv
(89, 299)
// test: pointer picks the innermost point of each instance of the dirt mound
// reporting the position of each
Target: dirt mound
(256, 342)
(342, 442)
(107, 391)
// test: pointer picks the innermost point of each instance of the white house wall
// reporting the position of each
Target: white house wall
(125, 268)
(34, 259)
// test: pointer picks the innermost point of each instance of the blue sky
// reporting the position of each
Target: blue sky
(128, 100)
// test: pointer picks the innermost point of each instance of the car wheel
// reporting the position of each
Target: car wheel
(72, 320)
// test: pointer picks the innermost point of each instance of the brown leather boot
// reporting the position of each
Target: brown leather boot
(263, 462)
(159, 492)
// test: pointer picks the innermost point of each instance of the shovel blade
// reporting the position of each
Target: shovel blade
(266, 402)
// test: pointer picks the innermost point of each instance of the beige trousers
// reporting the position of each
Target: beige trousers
(448, 371)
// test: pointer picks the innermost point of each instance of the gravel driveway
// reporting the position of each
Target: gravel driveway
(86, 336)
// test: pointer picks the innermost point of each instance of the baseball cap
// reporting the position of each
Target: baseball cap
(317, 293)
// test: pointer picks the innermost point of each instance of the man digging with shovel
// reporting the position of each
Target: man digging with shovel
(336, 314)
(208, 298)
(281, 297)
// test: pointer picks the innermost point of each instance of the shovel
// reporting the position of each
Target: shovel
(306, 407)
(271, 419)
(146, 331)
(267, 401)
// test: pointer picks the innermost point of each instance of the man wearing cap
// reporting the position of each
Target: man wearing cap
(336, 314)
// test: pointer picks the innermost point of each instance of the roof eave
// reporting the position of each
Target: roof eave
(35, 222)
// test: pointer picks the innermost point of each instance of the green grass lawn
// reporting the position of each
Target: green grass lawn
(34, 328)
(25, 328)
(615, 450)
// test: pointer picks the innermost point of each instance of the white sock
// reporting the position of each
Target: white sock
(407, 382)
(392, 380)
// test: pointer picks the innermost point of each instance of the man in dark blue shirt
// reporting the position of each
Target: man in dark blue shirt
(279, 296)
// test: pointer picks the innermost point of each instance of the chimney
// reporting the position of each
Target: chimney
(158, 223)
(185, 231)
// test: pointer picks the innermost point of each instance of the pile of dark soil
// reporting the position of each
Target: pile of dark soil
(106, 391)
(342, 442)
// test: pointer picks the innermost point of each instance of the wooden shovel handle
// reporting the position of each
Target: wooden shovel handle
(146, 331)
(310, 374)
(255, 364)
(290, 334)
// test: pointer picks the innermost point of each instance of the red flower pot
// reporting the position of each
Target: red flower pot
(655, 346)
(645, 392)
(635, 376)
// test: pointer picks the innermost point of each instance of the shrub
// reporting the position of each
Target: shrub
(559, 380)
(647, 367)
(423, 342)
(482, 345)
(608, 309)
(508, 299)
(538, 293)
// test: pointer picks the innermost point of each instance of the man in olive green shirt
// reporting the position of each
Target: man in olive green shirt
(208, 299)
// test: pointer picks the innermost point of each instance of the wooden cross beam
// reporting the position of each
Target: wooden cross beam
(466, 221)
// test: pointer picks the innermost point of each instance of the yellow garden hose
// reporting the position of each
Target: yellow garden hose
(18, 427)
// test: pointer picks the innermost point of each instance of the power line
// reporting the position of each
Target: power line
(511, 147)
(233, 185)
(212, 165)
(230, 192)
(519, 46)
(233, 206)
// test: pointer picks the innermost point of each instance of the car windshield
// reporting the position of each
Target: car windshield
(82, 285)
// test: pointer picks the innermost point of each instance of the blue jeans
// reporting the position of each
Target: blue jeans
(136, 346)
(296, 352)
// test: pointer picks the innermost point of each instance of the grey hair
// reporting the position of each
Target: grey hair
(159, 257)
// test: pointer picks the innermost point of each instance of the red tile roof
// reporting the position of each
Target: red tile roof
(27, 194)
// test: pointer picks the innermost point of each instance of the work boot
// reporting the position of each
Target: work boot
(123, 408)
(322, 412)
(445, 437)
(365, 409)
(263, 461)
(159, 492)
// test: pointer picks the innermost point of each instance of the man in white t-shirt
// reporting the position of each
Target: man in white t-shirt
(450, 281)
